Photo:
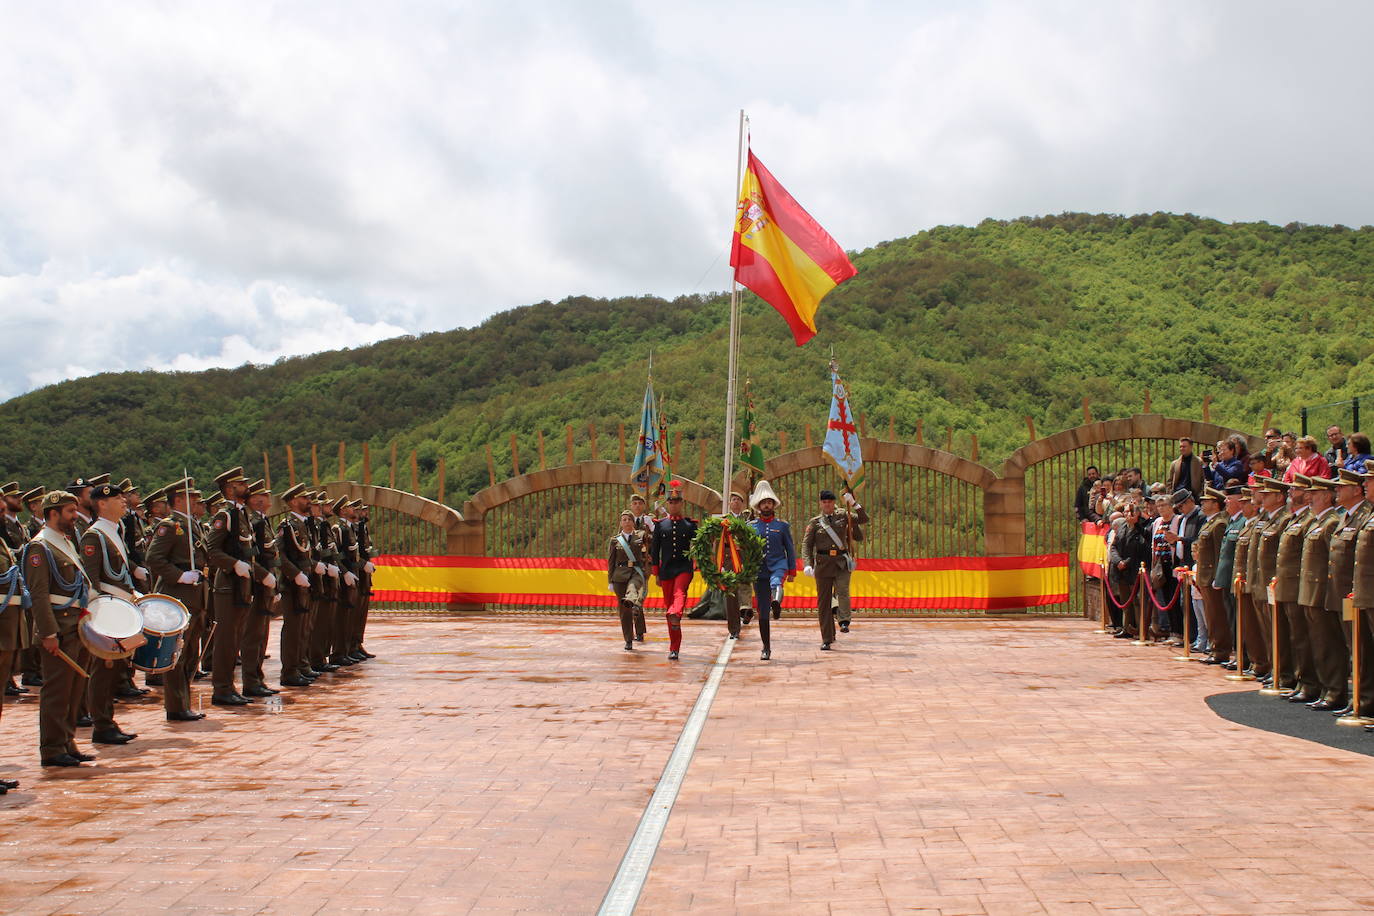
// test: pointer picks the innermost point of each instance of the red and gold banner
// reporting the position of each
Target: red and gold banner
(944, 583)
(1092, 548)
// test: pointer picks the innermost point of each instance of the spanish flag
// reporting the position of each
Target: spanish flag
(782, 254)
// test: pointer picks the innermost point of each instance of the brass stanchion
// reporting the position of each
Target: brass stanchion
(1141, 632)
(1273, 689)
(1238, 586)
(1354, 718)
(1102, 600)
(1187, 609)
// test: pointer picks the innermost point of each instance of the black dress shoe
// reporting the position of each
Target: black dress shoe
(330, 666)
(1211, 661)
(129, 693)
(1346, 710)
(844, 627)
(777, 612)
(61, 760)
(364, 653)
(629, 647)
(356, 658)
(185, 716)
(231, 699)
(341, 661)
(1298, 696)
(637, 639)
(258, 692)
(746, 617)
(295, 682)
(765, 655)
(734, 636)
(9, 783)
(80, 756)
(115, 737)
(1229, 666)
(825, 647)
(12, 690)
(32, 680)
(672, 656)
(1321, 705)
(201, 675)
(83, 722)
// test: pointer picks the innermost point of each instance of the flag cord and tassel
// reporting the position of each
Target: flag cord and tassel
(733, 344)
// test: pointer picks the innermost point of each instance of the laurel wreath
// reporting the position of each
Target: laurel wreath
(716, 562)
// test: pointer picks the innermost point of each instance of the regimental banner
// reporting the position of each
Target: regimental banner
(944, 583)
(1092, 548)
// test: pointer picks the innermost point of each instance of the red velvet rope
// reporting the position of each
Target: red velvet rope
(1155, 601)
(1106, 587)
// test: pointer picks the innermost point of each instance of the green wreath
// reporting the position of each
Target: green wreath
(706, 551)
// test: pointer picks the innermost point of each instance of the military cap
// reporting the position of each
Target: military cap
(1247, 493)
(1321, 483)
(321, 497)
(177, 487)
(98, 479)
(1300, 482)
(31, 495)
(214, 501)
(1271, 484)
(57, 498)
(229, 476)
(1235, 490)
(10, 489)
(827, 494)
(1349, 478)
(127, 486)
(339, 504)
(79, 483)
(157, 496)
(106, 491)
(357, 504)
(259, 487)
(1213, 493)
(1180, 497)
(736, 494)
(292, 492)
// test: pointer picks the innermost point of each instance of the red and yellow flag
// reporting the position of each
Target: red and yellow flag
(782, 254)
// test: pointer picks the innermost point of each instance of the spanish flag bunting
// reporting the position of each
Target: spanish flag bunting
(782, 254)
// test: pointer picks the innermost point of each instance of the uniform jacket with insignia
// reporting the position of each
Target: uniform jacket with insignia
(228, 540)
(779, 551)
(13, 533)
(618, 566)
(1207, 548)
(106, 563)
(1316, 559)
(668, 548)
(821, 552)
(170, 555)
(1288, 560)
(1226, 559)
(1362, 559)
(15, 631)
(1269, 536)
(295, 555)
(57, 584)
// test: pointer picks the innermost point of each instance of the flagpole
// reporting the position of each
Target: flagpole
(733, 345)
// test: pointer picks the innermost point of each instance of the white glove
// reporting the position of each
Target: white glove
(333, 571)
(809, 571)
(369, 567)
(137, 594)
(269, 581)
(190, 577)
(140, 574)
(350, 580)
(302, 580)
(849, 497)
(610, 587)
(319, 569)
(241, 569)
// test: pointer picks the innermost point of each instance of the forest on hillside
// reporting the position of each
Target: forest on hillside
(964, 328)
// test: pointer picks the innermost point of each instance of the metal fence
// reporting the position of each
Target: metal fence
(1315, 420)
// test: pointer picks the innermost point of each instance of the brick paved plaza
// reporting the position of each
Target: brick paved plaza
(494, 765)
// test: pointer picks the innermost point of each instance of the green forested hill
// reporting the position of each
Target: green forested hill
(966, 327)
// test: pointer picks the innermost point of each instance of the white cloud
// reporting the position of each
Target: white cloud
(199, 178)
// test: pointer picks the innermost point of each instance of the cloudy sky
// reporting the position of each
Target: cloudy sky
(193, 185)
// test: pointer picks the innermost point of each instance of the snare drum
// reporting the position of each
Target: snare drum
(165, 619)
(112, 628)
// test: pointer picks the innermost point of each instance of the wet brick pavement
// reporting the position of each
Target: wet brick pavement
(497, 765)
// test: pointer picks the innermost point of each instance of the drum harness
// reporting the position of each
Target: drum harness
(78, 586)
(123, 576)
(12, 580)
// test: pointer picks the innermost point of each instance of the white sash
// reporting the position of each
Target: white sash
(64, 546)
(834, 538)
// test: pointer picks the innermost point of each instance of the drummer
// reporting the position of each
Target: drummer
(107, 565)
(57, 586)
(176, 558)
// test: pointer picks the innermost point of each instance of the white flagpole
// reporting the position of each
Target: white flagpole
(733, 342)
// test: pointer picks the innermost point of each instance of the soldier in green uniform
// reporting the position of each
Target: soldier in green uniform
(14, 634)
(1255, 651)
(109, 570)
(33, 501)
(233, 556)
(13, 536)
(295, 555)
(31, 658)
(366, 552)
(1274, 496)
(627, 575)
(828, 549)
(1287, 576)
(266, 603)
(155, 508)
(177, 562)
(742, 598)
(346, 545)
(1329, 659)
(59, 591)
(1206, 553)
(1358, 532)
(326, 613)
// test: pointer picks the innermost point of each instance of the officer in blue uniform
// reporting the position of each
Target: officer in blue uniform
(779, 559)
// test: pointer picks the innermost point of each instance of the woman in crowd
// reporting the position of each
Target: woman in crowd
(1359, 452)
(1126, 552)
(1228, 464)
(1308, 461)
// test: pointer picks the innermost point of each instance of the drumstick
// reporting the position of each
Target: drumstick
(200, 656)
(75, 667)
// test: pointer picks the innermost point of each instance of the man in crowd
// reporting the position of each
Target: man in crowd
(1082, 500)
(1186, 471)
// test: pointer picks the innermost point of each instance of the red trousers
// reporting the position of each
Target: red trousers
(674, 605)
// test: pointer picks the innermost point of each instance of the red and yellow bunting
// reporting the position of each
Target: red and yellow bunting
(944, 583)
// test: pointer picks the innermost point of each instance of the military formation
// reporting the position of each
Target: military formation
(1285, 573)
(102, 582)
(655, 546)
